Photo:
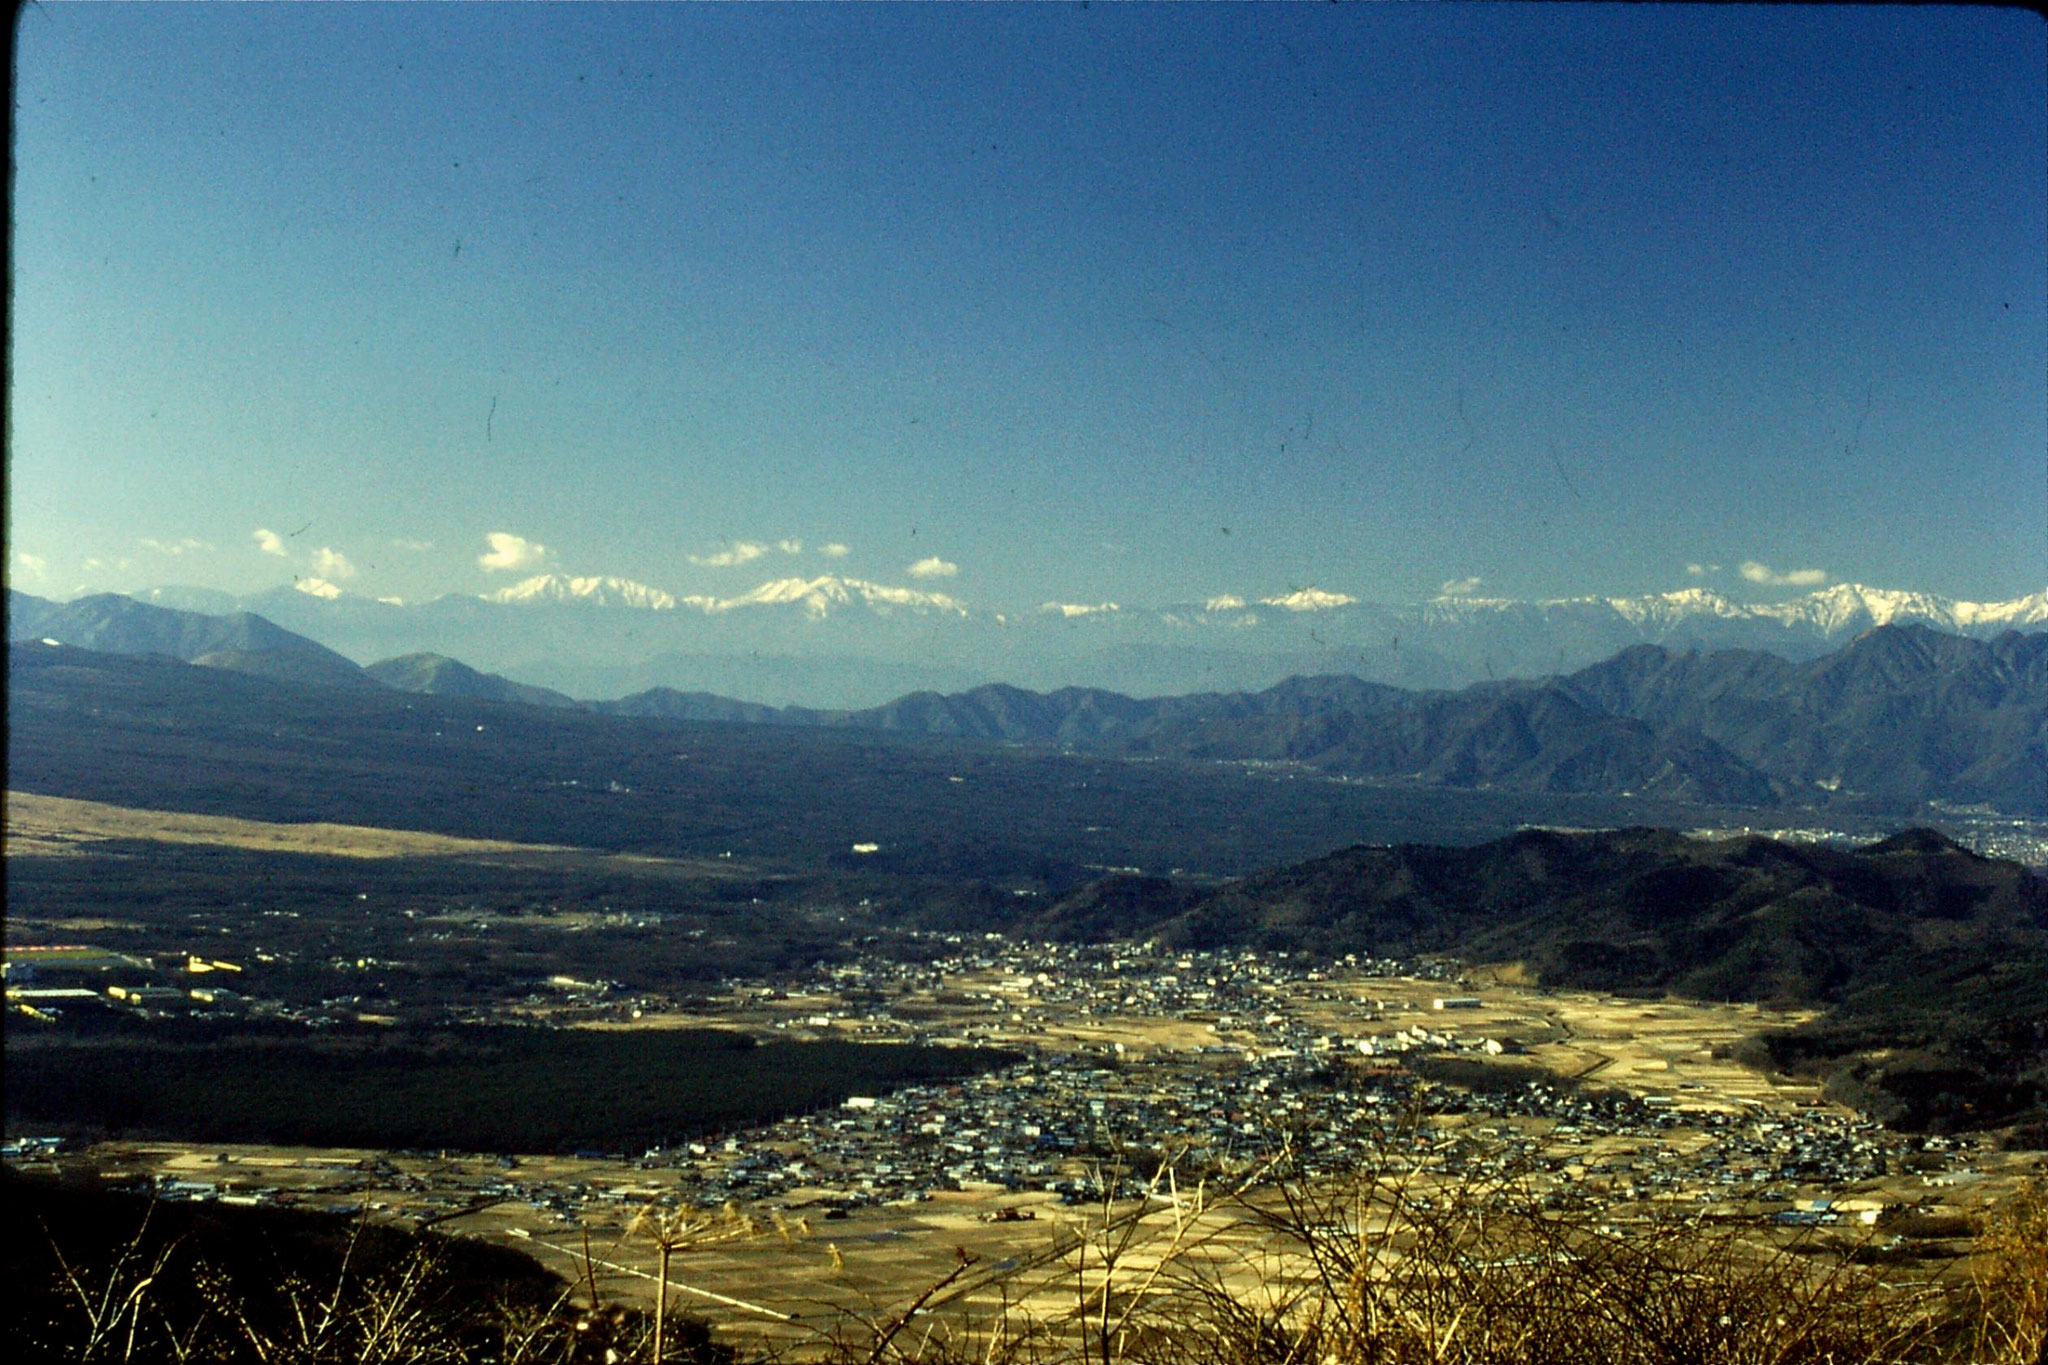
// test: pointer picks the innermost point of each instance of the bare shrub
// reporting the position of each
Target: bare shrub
(678, 1231)
(1394, 1264)
(107, 1312)
(393, 1311)
(2009, 1277)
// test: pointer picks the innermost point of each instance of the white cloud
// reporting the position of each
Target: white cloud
(1228, 601)
(270, 542)
(931, 566)
(740, 552)
(834, 550)
(1074, 609)
(790, 545)
(1309, 599)
(1702, 570)
(34, 564)
(1459, 587)
(173, 547)
(509, 552)
(331, 563)
(1791, 578)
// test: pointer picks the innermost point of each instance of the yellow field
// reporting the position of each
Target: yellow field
(45, 825)
(991, 1261)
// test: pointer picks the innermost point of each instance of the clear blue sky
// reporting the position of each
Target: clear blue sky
(1110, 303)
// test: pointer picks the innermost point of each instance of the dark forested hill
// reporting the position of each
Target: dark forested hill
(1935, 960)
(1903, 712)
(1899, 717)
(438, 675)
(1746, 919)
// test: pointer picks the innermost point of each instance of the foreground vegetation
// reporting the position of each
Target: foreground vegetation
(99, 1276)
(1373, 1270)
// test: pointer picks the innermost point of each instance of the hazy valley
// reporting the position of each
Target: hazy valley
(466, 954)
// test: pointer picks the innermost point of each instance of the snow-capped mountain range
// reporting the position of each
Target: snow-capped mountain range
(558, 588)
(1845, 607)
(1903, 714)
(816, 597)
(838, 641)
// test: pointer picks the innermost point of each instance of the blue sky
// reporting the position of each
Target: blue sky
(1137, 303)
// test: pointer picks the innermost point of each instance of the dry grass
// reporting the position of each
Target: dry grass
(46, 825)
(1392, 1268)
(1382, 1269)
(2009, 1280)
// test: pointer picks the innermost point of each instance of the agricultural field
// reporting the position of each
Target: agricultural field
(803, 1257)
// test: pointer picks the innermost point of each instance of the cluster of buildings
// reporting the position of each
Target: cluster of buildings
(1218, 1062)
(1249, 1072)
(47, 982)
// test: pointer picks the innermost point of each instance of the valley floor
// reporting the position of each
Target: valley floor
(1153, 1087)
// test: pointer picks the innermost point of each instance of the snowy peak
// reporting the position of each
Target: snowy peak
(595, 592)
(1666, 607)
(821, 596)
(2031, 610)
(1831, 613)
(1851, 607)
(1309, 599)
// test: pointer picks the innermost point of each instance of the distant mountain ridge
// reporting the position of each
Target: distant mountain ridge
(445, 677)
(836, 642)
(240, 641)
(1832, 611)
(243, 642)
(1901, 716)
(596, 592)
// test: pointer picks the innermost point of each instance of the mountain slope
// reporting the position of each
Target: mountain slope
(1901, 716)
(239, 642)
(149, 731)
(1746, 918)
(441, 676)
(1904, 713)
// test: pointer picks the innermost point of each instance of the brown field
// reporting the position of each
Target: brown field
(799, 1276)
(994, 1263)
(991, 1260)
(47, 826)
